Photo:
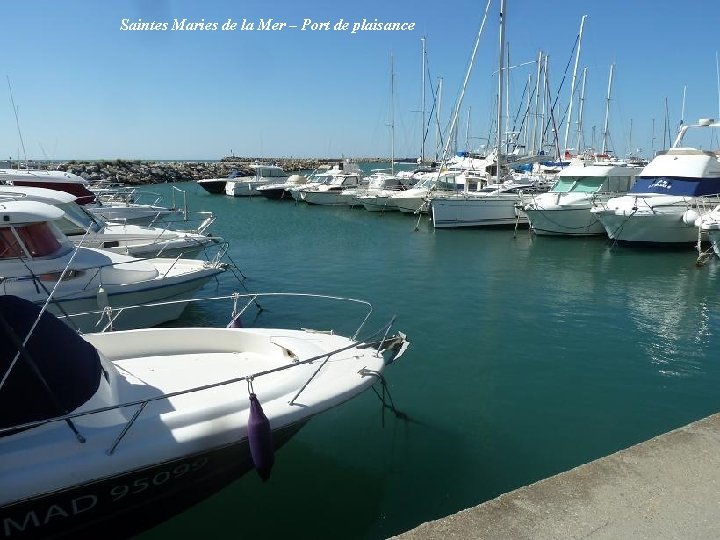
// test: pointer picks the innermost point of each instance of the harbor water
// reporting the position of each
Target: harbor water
(529, 356)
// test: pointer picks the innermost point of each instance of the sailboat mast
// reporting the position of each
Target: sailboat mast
(717, 75)
(467, 129)
(572, 84)
(537, 97)
(607, 110)
(422, 130)
(438, 135)
(392, 117)
(507, 99)
(501, 72)
(581, 110)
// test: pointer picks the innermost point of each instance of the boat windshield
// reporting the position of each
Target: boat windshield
(426, 183)
(451, 183)
(588, 185)
(337, 181)
(578, 184)
(564, 184)
(320, 178)
(33, 239)
(76, 220)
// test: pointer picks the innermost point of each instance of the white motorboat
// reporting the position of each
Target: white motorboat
(709, 227)
(412, 177)
(324, 175)
(677, 187)
(217, 185)
(416, 199)
(379, 201)
(247, 186)
(565, 209)
(213, 185)
(39, 262)
(135, 213)
(84, 228)
(331, 193)
(374, 196)
(106, 435)
(491, 205)
(123, 207)
(57, 180)
(282, 190)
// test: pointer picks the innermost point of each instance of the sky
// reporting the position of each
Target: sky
(78, 86)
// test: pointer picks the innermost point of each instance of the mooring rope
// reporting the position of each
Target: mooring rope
(387, 403)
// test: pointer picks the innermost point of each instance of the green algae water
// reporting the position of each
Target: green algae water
(529, 356)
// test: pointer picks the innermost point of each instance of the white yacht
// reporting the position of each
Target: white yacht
(57, 180)
(565, 209)
(38, 262)
(377, 196)
(491, 205)
(332, 192)
(324, 175)
(282, 190)
(217, 185)
(709, 227)
(247, 186)
(86, 229)
(415, 200)
(379, 183)
(677, 187)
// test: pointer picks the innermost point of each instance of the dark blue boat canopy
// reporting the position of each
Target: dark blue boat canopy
(56, 372)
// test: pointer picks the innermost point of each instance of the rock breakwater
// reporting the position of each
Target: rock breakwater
(160, 172)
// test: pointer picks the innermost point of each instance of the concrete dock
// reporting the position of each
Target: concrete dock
(667, 487)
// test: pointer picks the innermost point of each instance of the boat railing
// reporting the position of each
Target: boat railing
(381, 340)
(196, 222)
(212, 261)
(108, 314)
(707, 203)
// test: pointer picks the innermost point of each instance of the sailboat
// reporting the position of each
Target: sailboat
(493, 204)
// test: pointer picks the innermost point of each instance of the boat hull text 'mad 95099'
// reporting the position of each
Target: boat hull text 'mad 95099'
(106, 435)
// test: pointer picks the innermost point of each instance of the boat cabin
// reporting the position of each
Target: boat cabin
(27, 231)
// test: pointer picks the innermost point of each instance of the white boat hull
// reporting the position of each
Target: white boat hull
(481, 211)
(324, 198)
(656, 219)
(568, 221)
(379, 203)
(246, 188)
(117, 285)
(644, 228)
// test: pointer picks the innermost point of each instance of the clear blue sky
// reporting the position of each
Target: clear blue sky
(84, 89)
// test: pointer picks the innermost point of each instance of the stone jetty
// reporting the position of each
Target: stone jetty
(159, 172)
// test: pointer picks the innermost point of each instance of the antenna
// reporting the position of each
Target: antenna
(17, 121)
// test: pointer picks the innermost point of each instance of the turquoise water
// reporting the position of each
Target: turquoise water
(529, 356)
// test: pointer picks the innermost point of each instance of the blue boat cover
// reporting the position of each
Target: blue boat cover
(56, 373)
(675, 185)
